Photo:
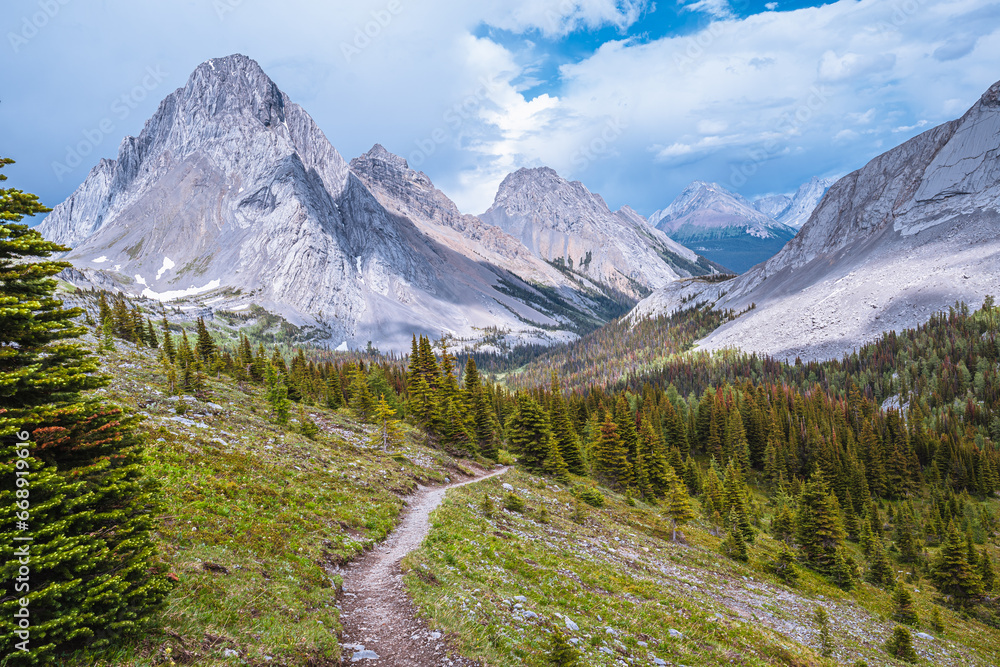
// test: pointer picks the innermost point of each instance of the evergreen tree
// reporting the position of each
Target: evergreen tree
(388, 434)
(561, 652)
(900, 645)
(563, 432)
(362, 401)
(678, 504)
(952, 574)
(528, 433)
(825, 640)
(205, 344)
(903, 610)
(277, 395)
(819, 533)
(93, 573)
(735, 545)
(611, 465)
(986, 573)
(880, 571)
(783, 566)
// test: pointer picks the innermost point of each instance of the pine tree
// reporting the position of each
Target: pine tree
(561, 652)
(986, 573)
(783, 566)
(903, 610)
(900, 645)
(819, 533)
(735, 545)
(565, 436)
(307, 426)
(277, 395)
(825, 640)
(880, 571)
(611, 465)
(362, 401)
(678, 505)
(93, 578)
(625, 421)
(388, 434)
(528, 433)
(952, 573)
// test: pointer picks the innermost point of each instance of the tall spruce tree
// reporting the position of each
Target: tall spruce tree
(610, 458)
(952, 573)
(93, 572)
(528, 433)
(819, 532)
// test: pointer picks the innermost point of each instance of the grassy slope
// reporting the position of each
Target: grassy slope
(620, 571)
(277, 511)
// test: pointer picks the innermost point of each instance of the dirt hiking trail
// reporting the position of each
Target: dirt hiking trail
(381, 627)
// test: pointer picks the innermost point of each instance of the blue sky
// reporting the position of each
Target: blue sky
(634, 98)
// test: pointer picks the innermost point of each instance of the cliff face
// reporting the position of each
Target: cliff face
(232, 194)
(562, 221)
(912, 232)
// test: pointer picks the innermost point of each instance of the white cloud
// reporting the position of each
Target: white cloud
(717, 8)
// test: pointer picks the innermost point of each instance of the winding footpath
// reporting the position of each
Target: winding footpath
(381, 627)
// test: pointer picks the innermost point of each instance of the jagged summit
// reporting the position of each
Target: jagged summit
(722, 225)
(233, 196)
(563, 222)
(912, 232)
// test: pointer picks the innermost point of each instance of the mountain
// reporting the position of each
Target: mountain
(572, 228)
(795, 210)
(912, 232)
(232, 196)
(411, 194)
(722, 225)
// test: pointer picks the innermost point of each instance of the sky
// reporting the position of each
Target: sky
(634, 98)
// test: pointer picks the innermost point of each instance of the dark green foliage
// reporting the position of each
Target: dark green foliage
(84, 502)
(589, 495)
(735, 545)
(903, 610)
(561, 652)
(880, 571)
(565, 437)
(900, 645)
(783, 566)
(937, 623)
(825, 640)
(513, 503)
(986, 572)
(952, 573)
(818, 529)
(528, 433)
(610, 457)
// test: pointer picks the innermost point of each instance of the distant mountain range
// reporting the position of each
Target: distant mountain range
(232, 197)
(913, 232)
(731, 230)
